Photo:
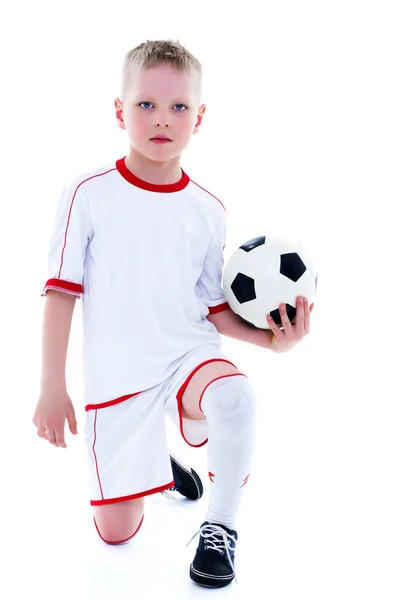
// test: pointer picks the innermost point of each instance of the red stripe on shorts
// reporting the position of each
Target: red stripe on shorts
(94, 453)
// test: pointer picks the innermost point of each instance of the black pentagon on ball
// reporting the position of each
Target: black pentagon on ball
(243, 288)
(254, 243)
(291, 313)
(292, 266)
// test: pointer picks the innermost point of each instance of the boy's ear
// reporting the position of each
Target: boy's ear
(200, 116)
(119, 113)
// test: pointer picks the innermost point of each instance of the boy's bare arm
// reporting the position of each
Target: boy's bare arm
(57, 320)
(54, 405)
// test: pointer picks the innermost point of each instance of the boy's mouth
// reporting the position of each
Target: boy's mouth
(160, 139)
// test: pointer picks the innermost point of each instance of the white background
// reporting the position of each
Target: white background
(300, 138)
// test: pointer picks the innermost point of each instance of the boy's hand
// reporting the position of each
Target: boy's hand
(284, 338)
(49, 418)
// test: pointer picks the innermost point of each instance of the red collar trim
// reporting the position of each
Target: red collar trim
(151, 187)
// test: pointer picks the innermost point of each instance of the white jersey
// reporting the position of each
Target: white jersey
(147, 261)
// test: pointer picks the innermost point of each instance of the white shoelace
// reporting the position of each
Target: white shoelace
(211, 533)
(171, 497)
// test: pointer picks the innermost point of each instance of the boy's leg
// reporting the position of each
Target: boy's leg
(118, 523)
(220, 393)
(127, 461)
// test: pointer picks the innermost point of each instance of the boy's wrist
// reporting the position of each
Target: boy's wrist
(56, 386)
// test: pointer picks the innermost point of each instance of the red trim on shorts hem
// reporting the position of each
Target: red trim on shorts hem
(216, 379)
(212, 310)
(110, 402)
(122, 541)
(133, 496)
(183, 388)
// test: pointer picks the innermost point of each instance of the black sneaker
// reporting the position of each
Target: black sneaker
(187, 481)
(213, 564)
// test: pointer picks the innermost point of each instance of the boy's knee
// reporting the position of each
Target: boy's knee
(230, 399)
(115, 535)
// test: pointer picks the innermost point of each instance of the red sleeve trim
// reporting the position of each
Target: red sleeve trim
(216, 309)
(63, 286)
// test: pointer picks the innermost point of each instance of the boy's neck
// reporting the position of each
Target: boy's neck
(157, 173)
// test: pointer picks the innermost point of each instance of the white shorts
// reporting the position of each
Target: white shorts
(127, 442)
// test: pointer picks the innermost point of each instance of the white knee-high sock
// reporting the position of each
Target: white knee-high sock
(229, 405)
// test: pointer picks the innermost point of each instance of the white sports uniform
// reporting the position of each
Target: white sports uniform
(147, 261)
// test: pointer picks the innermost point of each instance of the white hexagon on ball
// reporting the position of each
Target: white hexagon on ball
(263, 273)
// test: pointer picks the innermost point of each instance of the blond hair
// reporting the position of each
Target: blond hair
(158, 52)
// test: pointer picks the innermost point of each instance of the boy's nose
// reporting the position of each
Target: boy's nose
(162, 119)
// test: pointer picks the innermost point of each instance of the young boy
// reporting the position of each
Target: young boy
(142, 244)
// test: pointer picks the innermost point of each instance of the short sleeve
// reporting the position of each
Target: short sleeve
(71, 234)
(209, 286)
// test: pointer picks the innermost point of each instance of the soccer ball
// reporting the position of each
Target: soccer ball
(265, 272)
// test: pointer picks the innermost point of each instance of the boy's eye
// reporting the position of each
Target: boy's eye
(179, 107)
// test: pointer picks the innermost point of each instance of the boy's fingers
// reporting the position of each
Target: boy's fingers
(307, 319)
(274, 327)
(51, 436)
(41, 431)
(72, 421)
(59, 438)
(300, 317)
(284, 316)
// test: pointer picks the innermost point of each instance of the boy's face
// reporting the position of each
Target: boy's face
(160, 101)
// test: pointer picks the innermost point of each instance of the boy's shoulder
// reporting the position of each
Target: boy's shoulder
(205, 189)
(95, 173)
